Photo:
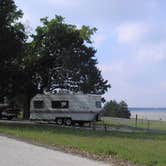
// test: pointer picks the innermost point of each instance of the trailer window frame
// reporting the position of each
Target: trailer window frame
(98, 104)
(60, 104)
(38, 104)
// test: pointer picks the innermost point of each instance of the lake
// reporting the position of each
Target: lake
(149, 113)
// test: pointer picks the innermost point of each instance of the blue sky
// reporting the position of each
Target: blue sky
(130, 42)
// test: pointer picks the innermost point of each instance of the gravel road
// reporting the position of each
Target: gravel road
(17, 153)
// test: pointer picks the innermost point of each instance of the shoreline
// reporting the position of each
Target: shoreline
(149, 115)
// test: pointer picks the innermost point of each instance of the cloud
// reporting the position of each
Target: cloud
(131, 32)
(64, 3)
(163, 85)
(105, 68)
(137, 83)
(144, 41)
(99, 39)
(114, 67)
(152, 53)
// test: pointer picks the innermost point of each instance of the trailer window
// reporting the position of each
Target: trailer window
(2, 100)
(38, 104)
(98, 104)
(60, 104)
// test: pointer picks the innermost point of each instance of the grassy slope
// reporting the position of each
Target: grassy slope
(142, 148)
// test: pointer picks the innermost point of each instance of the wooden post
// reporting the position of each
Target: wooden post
(105, 127)
(148, 124)
(90, 124)
(136, 120)
(94, 126)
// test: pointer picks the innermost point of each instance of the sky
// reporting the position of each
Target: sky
(130, 42)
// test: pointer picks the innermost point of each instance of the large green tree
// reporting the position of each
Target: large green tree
(59, 56)
(115, 109)
(15, 76)
(65, 59)
(12, 40)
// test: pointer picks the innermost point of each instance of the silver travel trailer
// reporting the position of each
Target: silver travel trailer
(65, 108)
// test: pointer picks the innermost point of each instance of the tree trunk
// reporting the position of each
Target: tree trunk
(26, 110)
(23, 102)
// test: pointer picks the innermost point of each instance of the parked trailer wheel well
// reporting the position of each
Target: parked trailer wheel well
(63, 120)
(59, 120)
(68, 121)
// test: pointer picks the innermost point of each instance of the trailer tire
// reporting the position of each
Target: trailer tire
(81, 124)
(59, 121)
(68, 122)
(10, 118)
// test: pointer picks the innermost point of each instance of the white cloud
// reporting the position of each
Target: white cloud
(130, 82)
(163, 85)
(114, 67)
(105, 68)
(145, 41)
(131, 32)
(152, 53)
(64, 3)
(99, 38)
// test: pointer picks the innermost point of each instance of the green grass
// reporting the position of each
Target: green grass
(156, 125)
(142, 148)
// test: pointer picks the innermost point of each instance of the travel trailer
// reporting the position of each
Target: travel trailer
(65, 108)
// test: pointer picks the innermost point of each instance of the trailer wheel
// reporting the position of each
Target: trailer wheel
(9, 117)
(68, 122)
(81, 124)
(59, 121)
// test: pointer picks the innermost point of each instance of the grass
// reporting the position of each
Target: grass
(141, 123)
(141, 148)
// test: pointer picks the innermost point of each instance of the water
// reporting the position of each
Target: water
(149, 113)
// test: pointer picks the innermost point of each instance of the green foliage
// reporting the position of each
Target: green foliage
(114, 109)
(12, 40)
(8, 13)
(57, 57)
(15, 75)
(63, 58)
(86, 32)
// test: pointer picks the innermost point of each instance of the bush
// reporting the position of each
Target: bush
(115, 109)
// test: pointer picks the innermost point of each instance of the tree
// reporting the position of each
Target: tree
(12, 40)
(124, 112)
(115, 109)
(16, 77)
(63, 58)
(57, 57)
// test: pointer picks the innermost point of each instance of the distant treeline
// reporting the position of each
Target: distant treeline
(116, 109)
